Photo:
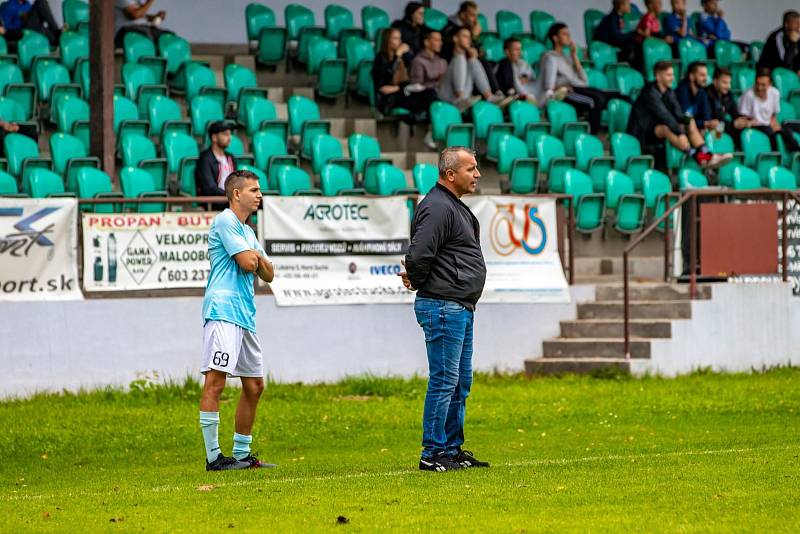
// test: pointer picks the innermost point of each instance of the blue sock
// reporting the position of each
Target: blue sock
(241, 446)
(209, 424)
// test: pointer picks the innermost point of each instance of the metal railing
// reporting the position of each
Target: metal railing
(691, 197)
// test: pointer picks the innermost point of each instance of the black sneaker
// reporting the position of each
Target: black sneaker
(224, 463)
(466, 459)
(439, 462)
(255, 463)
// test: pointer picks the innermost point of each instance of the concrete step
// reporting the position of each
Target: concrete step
(662, 309)
(641, 267)
(639, 291)
(611, 328)
(560, 366)
(594, 348)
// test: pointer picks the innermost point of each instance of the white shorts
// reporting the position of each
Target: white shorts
(231, 349)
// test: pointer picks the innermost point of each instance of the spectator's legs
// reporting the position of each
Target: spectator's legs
(734, 132)
(769, 132)
(479, 79)
(787, 132)
(462, 81)
(40, 18)
(591, 100)
(548, 73)
(488, 69)
(694, 135)
(416, 103)
(681, 142)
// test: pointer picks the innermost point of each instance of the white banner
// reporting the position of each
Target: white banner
(519, 244)
(38, 249)
(336, 250)
(126, 251)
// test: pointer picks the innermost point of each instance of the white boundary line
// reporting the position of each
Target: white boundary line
(406, 472)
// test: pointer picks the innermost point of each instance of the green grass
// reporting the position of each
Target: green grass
(699, 453)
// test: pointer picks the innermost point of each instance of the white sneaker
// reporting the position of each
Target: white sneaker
(718, 160)
(429, 142)
(464, 104)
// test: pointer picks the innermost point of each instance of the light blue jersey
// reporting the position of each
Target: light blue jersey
(230, 292)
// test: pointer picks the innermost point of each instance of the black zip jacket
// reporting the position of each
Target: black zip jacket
(652, 108)
(444, 260)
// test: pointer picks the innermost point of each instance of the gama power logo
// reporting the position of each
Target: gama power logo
(504, 234)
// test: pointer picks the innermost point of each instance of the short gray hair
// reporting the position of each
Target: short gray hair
(449, 159)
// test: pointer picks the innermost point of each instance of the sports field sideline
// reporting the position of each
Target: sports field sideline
(699, 453)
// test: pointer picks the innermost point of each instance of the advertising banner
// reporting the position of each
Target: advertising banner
(129, 251)
(38, 249)
(336, 250)
(519, 244)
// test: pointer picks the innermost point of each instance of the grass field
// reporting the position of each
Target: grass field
(699, 453)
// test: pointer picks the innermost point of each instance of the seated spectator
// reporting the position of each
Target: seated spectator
(563, 76)
(427, 68)
(214, 164)
(391, 80)
(656, 116)
(676, 27)
(133, 16)
(693, 97)
(466, 17)
(515, 76)
(723, 105)
(712, 27)
(782, 48)
(760, 104)
(465, 80)
(19, 15)
(411, 28)
(611, 30)
(650, 24)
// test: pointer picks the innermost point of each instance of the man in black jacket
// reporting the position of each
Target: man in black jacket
(657, 116)
(611, 30)
(782, 48)
(214, 164)
(723, 105)
(445, 264)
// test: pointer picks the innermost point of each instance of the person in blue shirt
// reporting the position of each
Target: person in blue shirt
(676, 24)
(19, 15)
(712, 27)
(693, 97)
(231, 346)
(611, 30)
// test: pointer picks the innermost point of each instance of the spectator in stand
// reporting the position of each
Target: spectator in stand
(563, 76)
(133, 16)
(649, 27)
(411, 27)
(723, 105)
(466, 17)
(427, 68)
(611, 30)
(712, 27)
(19, 15)
(693, 97)
(214, 164)
(761, 104)
(676, 26)
(657, 116)
(516, 78)
(466, 75)
(782, 48)
(7, 127)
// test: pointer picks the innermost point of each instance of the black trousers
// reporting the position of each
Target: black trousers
(40, 19)
(416, 103)
(592, 101)
(153, 32)
(786, 133)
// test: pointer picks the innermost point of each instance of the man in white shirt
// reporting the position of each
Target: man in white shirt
(760, 106)
(133, 15)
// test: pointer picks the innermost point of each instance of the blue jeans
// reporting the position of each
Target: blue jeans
(448, 338)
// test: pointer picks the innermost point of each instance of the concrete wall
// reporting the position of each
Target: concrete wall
(743, 327)
(56, 345)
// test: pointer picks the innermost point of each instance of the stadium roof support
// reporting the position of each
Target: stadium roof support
(101, 73)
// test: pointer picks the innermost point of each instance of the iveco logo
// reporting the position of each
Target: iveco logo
(381, 270)
(337, 212)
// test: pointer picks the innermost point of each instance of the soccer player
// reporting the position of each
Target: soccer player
(231, 346)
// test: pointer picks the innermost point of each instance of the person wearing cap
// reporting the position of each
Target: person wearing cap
(214, 164)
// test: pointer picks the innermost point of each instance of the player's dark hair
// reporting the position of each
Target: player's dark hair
(789, 16)
(467, 5)
(235, 180)
(508, 42)
(661, 66)
(722, 71)
(694, 66)
(553, 31)
(763, 72)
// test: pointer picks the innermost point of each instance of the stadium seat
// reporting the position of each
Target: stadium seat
(11, 111)
(435, 19)
(33, 45)
(374, 20)
(693, 179)
(271, 48)
(602, 55)
(589, 207)
(200, 80)
(522, 170)
(139, 151)
(787, 82)
(178, 54)
(73, 117)
(591, 159)
(357, 50)
(75, 13)
(270, 153)
(337, 180)
(69, 155)
(447, 126)
(628, 157)
(508, 23)
(260, 115)
(724, 145)
(165, 117)
(591, 19)
(22, 153)
(327, 149)
(308, 35)
(540, 24)
(756, 48)
(204, 110)
(331, 71)
(781, 178)
(628, 81)
(258, 17)
(305, 122)
(294, 181)
(745, 178)
(138, 183)
(8, 185)
(677, 159)
(655, 50)
(553, 161)
(73, 46)
(492, 47)
(490, 126)
(53, 82)
(237, 151)
(363, 83)
(597, 79)
(94, 183)
(13, 86)
(790, 160)
(425, 177)
(339, 22)
(138, 48)
(758, 153)
(365, 152)
(742, 78)
(657, 188)
(126, 118)
(527, 121)
(140, 84)
(297, 17)
(564, 123)
(262, 179)
(241, 83)
(392, 181)
(628, 206)
(45, 183)
(532, 51)
(727, 53)
(182, 152)
(689, 51)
